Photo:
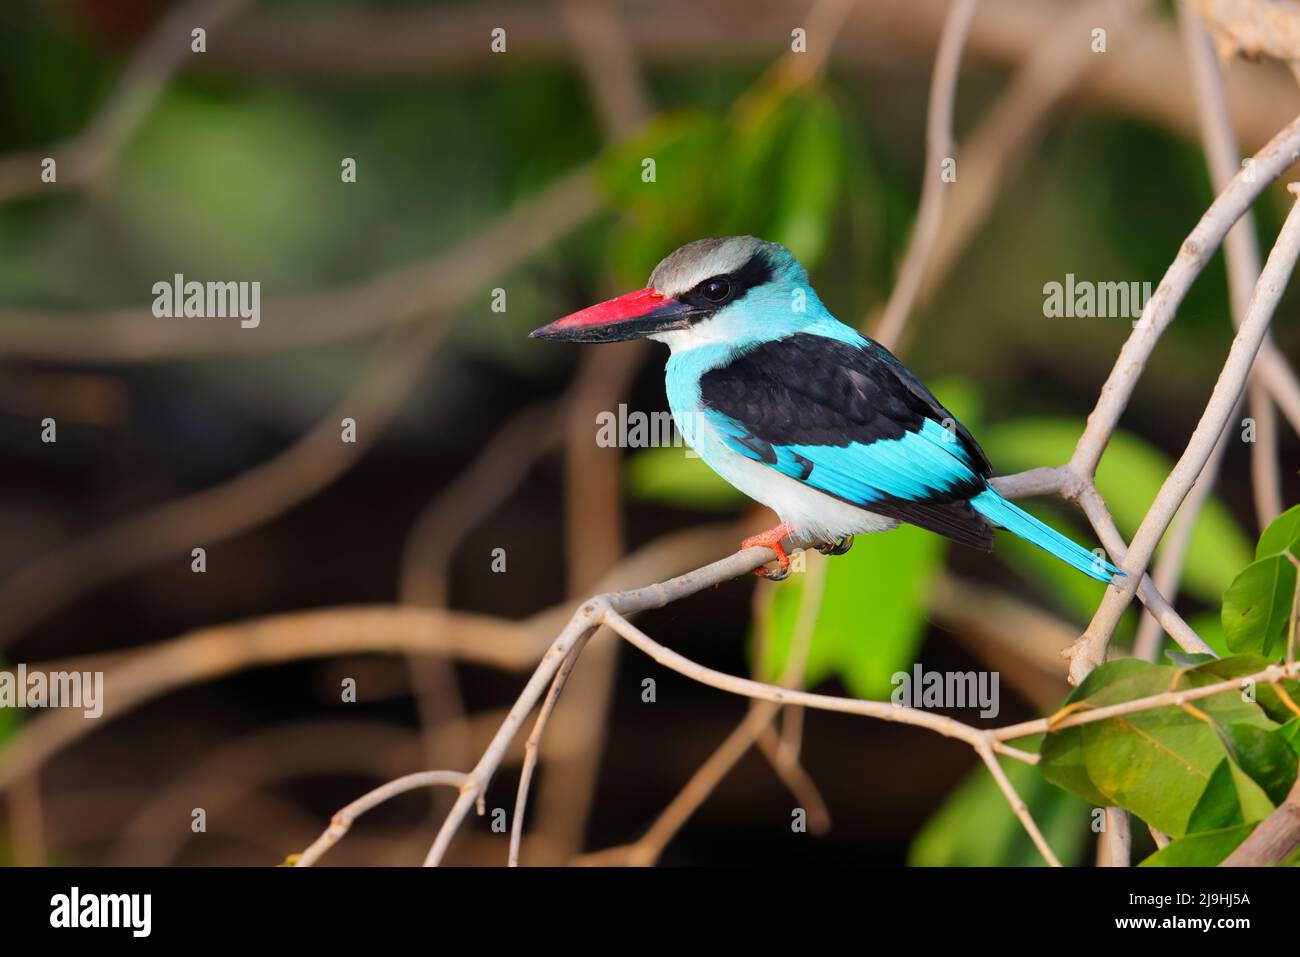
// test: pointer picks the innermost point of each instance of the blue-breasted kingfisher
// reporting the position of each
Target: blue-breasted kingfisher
(802, 413)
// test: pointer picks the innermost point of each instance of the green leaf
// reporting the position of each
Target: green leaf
(1205, 849)
(754, 147)
(8, 724)
(872, 615)
(1290, 733)
(1220, 805)
(1228, 706)
(1062, 751)
(1282, 535)
(1263, 755)
(1268, 699)
(676, 140)
(1156, 763)
(667, 475)
(1257, 606)
(976, 828)
(1184, 659)
(1209, 625)
(8, 716)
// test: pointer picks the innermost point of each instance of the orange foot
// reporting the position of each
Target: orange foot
(772, 539)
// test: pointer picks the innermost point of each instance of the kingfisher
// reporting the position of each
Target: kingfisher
(823, 425)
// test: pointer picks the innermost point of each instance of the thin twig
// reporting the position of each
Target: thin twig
(1174, 699)
(1169, 566)
(533, 747)
(757, 720)
(342, 821)
(476, 784)
(1018, 806)
(939, 148)
(1241, 251)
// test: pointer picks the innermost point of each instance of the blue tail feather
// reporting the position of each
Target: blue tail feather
(1005, 515)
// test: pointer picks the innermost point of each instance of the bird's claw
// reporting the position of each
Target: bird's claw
(837, 547)
(772, 539)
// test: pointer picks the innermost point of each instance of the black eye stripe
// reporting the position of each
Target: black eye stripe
(755, 272)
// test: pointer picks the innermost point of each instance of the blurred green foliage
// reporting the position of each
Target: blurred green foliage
(872, 614)
(975, 826)
(185, 181)
(667, 475)
(774, 169)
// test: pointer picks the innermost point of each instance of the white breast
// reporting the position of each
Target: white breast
(815, 516)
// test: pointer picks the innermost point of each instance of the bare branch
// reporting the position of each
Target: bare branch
(1018, 806)
(475, 786)
(533, 747)
(1241, 251)
(1169, 567)
(342, 821)
(1116, 844)
(609, 63)
(1057, 63)
(938, 148)
(133, 678)
(1174, 699)
(403, 294)
(1269, 164)
(1232, 380)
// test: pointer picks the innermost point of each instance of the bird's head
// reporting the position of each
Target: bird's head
(733, 289)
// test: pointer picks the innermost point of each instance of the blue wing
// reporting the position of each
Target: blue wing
(921, 465)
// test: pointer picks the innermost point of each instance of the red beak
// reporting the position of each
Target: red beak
(630, 316)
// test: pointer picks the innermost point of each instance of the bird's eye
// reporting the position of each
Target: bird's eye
(716, 290)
